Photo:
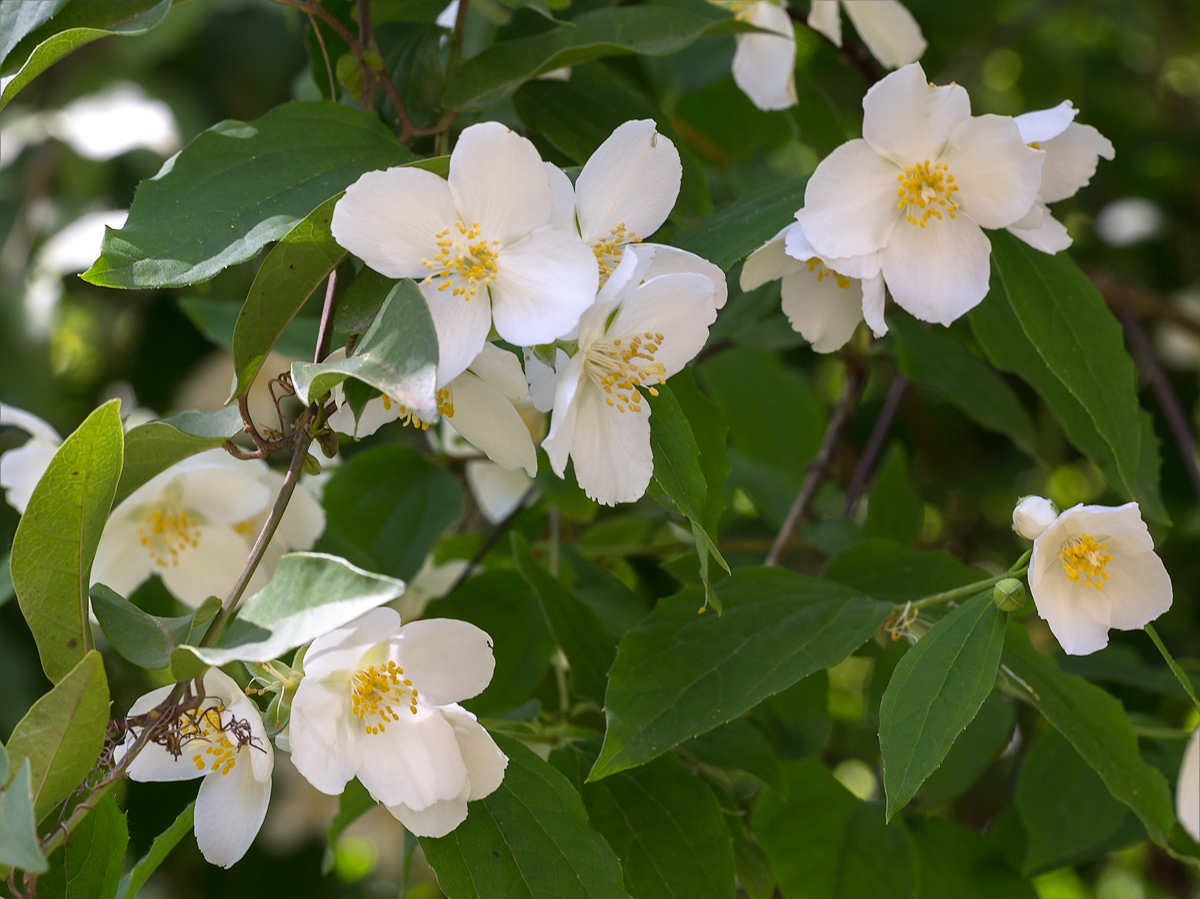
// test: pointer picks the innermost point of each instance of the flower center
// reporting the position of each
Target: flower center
(620, 365)
(608, 249)
(445, 406)
(167, 531)
(925, 190)
(465, 260)
(1084, 559)
(818, 268)
(374, 689)
(221, 753)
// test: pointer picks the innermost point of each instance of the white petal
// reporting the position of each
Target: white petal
(562, 208)
(207, 569)
(498, 181)
(1078, 616)
(21, 469)
(888, 29)
(680, 307)
(342, 649)
(1071, 160)
(542, 380)
(611, 449)
(436, 820)
(1032, 516)
(825, 18)
(632, 179)
(447, 660)
(303, 521)
(1187, 793)
(487, 418)
(850, 202)
(389, 220)
(542, 286)
(908, 120)
(154, 764)
(770, 262)
(502, 370)
(484, 760)
(222, 495)
(938, 272)
(562, 422)
(325, 738)
(1044, 124)
(230, 809)
(997, 175)
(1138, 586)
(665, 260)
(823, 312)
(764, 66)
(873, 302)
(498, 491)
(462, 327)
(1050, 236)
(415, 761)
(29, 423)
(121, 562)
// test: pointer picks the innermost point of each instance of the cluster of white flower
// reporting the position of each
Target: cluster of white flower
(905, 205)
(507, 243)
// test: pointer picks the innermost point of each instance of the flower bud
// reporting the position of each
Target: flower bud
(1009, 595)
(1033, 515)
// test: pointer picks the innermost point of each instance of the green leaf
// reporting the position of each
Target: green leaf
(142, 638)
(361, 301)
(242, 185)
(354, 802)
(487, 79)
(576, 627)
(937, 362)
(529, 839)
(956, 862)
(386, 508)
(5, 766)
(825, 844)
(1094, 723)
(88, 866)
(157, 854)
(309, 594)
(885, 570)
(679, 674)
(668, 830)
(284, 282)
(18, 18)
(6, 584)
(1066, 810)
(57, 537)
(745, 225)
(739, 746)
(87, 22)
(154, 447)
(18, 827)
(216, 319)
(895, 510)
(935, 692)
(711, 432)
(63, 733)
(398, 356)
(974, 750)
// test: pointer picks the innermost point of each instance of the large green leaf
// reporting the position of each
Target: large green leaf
(240, 185)
(825, 844)
(88, 866)
(82, 23)
(529, 839)
(935, 692)
(157, 445)
(745, 225)
(668, 830)
(157, 853)
(63, 732)
(144, 639)
(679, 674)
(1095, 723)
(285, 280)
(57, 537)
(18, 828)
(309, 594)
(956, 863)
(487, 79)
(19, 18)
(974, 750)
(398, 356)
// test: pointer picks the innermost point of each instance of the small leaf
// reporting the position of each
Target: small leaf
(309, 594)
(142, 638)
(745, 225)
(529, 839)
(362, 301)
(397, 356)
(157, 854)
(18, 828)
(88, 865)
(63, 733)
(57, 537)
(895, 510)
(935, 692)
(154, 447)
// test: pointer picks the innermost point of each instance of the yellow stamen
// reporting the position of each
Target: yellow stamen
(372, 691)
(1084, 560)
(465, 260)
(925, 191)
(817, 267)
(619, 366)
(166, 532)
(608, 250)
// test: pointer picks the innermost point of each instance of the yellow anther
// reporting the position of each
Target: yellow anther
(608, 250)
(926, 191)
(1084, 560)
(465, 261)
(167, 531)
(373, 690)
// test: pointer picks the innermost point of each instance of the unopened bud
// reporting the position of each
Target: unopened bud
(1033, 515)
(1009, 595)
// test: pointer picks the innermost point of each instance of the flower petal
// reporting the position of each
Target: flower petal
(825, 18)
(824, 313)
(207, 569)
(764, 66)
(447, 660)
(498, 181)
(888, 29)
(121, 562)
(341, 650)
(1044, 124)
(665, 260)
(487, 418)
(35, 427)
(938, 272)
(154, 764)
(679, 307)
(303, 520)
(498, 491)
(21, 469)
(436, 820)
(1187, 792)
(462, 327)
(770, 262)
(484, 760)
(872, 305)
(562, 207)
(1071, 160)
(415, 761)
(1050, 236)
(997, 175)
(389, 220)
(632, 180)
(325, 738)
(562, 421)
(230, 809)
(543, 284)
(611, 449)
(1138, 587)
(502, 370)
(222, 494)
(850, 202)
(908, 120)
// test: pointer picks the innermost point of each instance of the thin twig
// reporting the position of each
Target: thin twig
(491, 540)
(333, 91)
(819, 469)
(325, 335)
(366, 96)
(874, 444)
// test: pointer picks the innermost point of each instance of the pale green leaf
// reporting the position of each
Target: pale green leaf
(18, 828)
(155, 446)
(157, 854)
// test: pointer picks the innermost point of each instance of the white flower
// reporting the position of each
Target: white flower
(885, 26)
(1187, 793)
(23, 467)
(764, 65)
(1072, 152)
(639, 333)
(481, 241)
(224, 742)
(916, 189)
(194, 525)
(821, 303)
(497, 490)
(1094, 568)
(1032, 515)
(379, 702)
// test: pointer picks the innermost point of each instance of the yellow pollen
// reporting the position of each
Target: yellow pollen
(465, 260)
(926, 190)
(246, 528)
(619, 366)
(1084, 560)
(374, 689)
(166, 532)
(1035, 146)
(817, 267)
(220, 755)
(608, 250)
(445, 406)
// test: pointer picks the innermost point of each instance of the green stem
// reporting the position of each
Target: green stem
(1180, 674)
(1018, 569)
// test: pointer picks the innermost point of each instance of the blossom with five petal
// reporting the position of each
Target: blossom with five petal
(379, 701)
(1093, 568)
(480, 242)
(885, 26)
(911, 196)
(224, 742)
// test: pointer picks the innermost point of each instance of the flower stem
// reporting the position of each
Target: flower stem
(1180, 674)
(1018, 569)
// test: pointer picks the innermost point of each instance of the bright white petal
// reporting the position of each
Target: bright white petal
(1044, 124)
(850, 202)
(825, 18)
(872, 307)
(888, 29)
(1138, 586)
(543, 380)
(611, 449)
(207, 569)
(498, 181)
(342, 649)
(222, 495)
(29, 423)
(484, 760)
(938, 272)
(764, 66)
(498, 491)
(437, 820)
(1071, 160)
(415, 761)
(487, 418)
(1187, 793)
(562, 422)
(154, 764)
(230, 809)
(462, 327)
(770, 262)
(679, 307)
(824, 313)
(631, 180)
(542, 287)
(997, 175)
(908, 120)
(303, 521)
(562, 208)
(22, 468)
(1077, 616)
(447, 660)
(121, 562)
(324, 736)
(389, 220)
(665, 260)
(1050, 236)
(502, 370)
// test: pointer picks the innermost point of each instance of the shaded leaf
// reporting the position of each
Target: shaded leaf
(974, 750)
(216, 319)
(354, 802)
(894, 509)
(155, 446)
(18, 828)
(139, 637)
(885, 570)
(88, 865)
(957, 862)
(742, 227)
(157, 854)
(739, 746)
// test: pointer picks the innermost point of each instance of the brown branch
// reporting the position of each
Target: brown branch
(1141, 301)
(366, 96)
(325, 334)
(874, 443)
(333, 92)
